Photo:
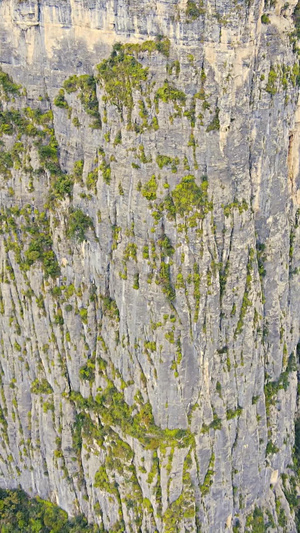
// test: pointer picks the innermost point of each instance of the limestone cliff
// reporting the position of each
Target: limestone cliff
(150, 260)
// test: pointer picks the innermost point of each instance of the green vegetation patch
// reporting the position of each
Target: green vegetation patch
(87, 94)
(246, 302)
(119, 75)
(188, 196)
(87, 372)
(150, 189)
(272, 388)
(41, 387)
(9, 88)
(271, 86)
(40, 249)
(169, 93)
(188, 200)
(29, 122)
(208, 480)
(296, 18)
(110, 404)
(60, 100)
(20, 514)
(62, 187)
(164, 161)
(78, 223)
(194, 10)
(265, 19)
(27, 234)
(161, 44)
(38, 125)
(110, 308)
(256, 522)
(215, 123)
(6, 164)
(233, 413)
(163, 278)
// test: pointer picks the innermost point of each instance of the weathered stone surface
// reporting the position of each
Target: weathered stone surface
(162, 316)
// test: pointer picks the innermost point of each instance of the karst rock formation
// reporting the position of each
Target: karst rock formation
(150, 261)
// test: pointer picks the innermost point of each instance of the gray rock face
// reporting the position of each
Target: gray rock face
(149, 288)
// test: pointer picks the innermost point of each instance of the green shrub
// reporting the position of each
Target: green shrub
(271, 448)
(58, 317)
(215, 123)
(205, 487)
(119, 75)
(78, 223)
(175, 65)
(20, 514)
(110, 308)
(41, 387)
(272, 388)
(91, 180)
(48, 151)
(83, 312)
(130, 252)
(271, 84)
(62, 187)
(71, 84)
(261, 257)
(118, 138)
(164, 279)
(163, 160)
(40, 249)
(150, 188)
(265, 19)
(232, 413)
(87, 94)
(6, 163)
(60, 100)
(87, 372)
(187, 195)
(166, 246)
(296, 18)
(76, 122)
(106, 171)
(193, 10)
(161, 44)
(169, 93)
(78, 170)
(8, 86)
(256, 521)
(136, 282)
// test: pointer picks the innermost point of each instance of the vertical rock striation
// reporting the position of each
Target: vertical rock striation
(150, 261)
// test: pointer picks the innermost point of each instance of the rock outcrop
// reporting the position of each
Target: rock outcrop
(150, 260)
